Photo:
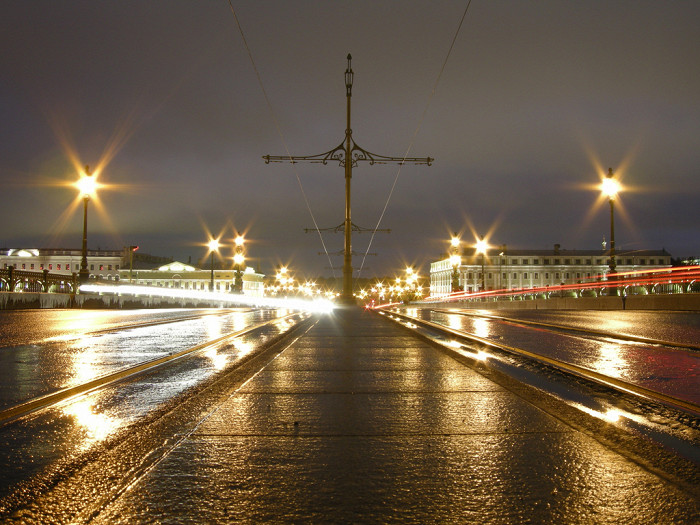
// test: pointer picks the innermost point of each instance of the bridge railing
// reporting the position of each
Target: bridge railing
(13, 280)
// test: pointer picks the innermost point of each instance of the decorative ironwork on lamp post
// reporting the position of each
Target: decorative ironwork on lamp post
(238, 260)
(348, 154)
(213, 247)
(455, 261)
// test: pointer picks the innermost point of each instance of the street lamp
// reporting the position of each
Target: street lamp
(611, 188)
(481, 247)
(238, 260)
(87, 186)
(213, 247)
(455, 261)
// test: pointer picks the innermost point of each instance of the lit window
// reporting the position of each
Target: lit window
(50, 266)
(58, 266)
(31, 266)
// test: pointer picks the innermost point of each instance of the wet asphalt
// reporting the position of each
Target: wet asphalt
(360, 422)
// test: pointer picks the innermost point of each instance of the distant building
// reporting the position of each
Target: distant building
(103, 265)
(179, 275)
(128, 267)
(506, 269)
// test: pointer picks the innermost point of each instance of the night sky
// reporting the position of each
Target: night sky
(535, 100)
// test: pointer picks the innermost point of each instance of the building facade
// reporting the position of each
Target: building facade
(179, 275)
(103, 265)
(500, 269)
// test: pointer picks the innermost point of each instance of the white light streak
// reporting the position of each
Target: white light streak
(317, 305)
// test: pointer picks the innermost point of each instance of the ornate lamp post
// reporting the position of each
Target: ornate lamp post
(610, 188)
(87, 186)
(455, 261)
(213, 247)
(238, 260)
(481, 247)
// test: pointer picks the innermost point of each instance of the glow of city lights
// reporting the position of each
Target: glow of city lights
(316, 305)
(455, 242)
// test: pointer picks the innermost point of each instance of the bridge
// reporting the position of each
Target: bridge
(400, 415)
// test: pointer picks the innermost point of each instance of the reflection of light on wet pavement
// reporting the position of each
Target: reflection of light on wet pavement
(218, 360)
(213, 327)
(83, 367)
(611, 415)
(479, 355)
(482, 328)
(97, 427)
(454, 322)
(609, 360)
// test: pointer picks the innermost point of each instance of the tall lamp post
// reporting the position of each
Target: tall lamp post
(455, 261)
(481, 247)
(610, 188)
(87, 186)
(238, 260)
(213, 247)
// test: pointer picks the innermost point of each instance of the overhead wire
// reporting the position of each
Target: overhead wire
(281, 135)
(415, 133)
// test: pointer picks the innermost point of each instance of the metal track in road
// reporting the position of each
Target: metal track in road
(569, 368)
(125, 374)
(602, 333)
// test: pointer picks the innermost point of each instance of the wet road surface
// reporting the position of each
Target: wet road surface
(668, 370)
(359, 422)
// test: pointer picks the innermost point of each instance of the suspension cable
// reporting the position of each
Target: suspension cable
(415, 134)
(281, 135)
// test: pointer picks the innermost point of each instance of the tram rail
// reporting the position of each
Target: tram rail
(126, 374)
(623, 387)
(565, 328)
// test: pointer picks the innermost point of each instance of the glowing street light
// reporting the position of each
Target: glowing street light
(610, 188)
(481, 247)
(213, 247)
(455, 261)
(87, 185)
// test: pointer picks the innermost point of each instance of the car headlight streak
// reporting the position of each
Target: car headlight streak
(318, 305)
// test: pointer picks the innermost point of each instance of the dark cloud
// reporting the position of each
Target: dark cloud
(532, 98)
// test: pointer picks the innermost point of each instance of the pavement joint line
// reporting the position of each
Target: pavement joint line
(299, 434)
